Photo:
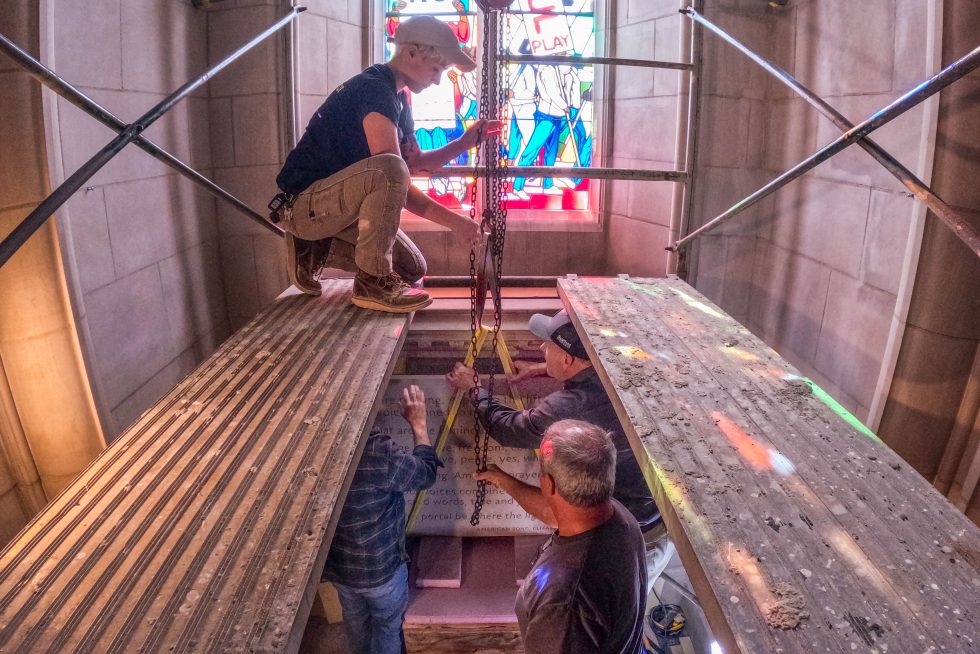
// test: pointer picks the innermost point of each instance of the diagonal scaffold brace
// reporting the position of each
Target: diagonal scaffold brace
(958, 69)
(50, 204)
(949, 216)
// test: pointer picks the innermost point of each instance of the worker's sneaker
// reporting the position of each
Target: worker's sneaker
(304, 260)
(388, 293)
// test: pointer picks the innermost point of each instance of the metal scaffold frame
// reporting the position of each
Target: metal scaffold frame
(687, 118)
(852, 134)
(132, 133)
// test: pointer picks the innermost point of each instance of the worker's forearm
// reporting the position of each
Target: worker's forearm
(529, 497)
(420, 433)
(422, 205)
(432, 159)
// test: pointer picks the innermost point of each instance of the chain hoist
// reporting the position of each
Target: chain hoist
(494, 220)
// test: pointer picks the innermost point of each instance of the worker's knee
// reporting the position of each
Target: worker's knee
(392, 167)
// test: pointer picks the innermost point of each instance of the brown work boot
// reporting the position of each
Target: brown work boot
(304, 260)
(388, 293)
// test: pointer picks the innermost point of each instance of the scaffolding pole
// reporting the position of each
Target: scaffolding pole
(562, 171)
(589, 61)
(60, 195)
(676, 262)
(933, 85)
(64, 89)
(949, 216)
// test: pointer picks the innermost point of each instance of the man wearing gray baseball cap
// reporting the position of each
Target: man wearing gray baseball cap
(344, 185)
(582, 397)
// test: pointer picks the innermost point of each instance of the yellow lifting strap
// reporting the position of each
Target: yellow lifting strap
(457, 397)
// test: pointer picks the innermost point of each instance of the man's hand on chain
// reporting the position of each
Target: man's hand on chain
(469, 234)
(482, 130)
(461, 377)
(492, 475)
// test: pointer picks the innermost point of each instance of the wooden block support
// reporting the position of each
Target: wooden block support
(486, 595)
(329, 602)
(440, 562)
(205, 526)
(799, 529)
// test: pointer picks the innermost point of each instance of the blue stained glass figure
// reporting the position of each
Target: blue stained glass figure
(549, 107)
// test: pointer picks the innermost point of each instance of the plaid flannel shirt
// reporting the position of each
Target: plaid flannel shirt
(369, 543)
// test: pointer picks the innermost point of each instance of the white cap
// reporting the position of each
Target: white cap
(429, 30)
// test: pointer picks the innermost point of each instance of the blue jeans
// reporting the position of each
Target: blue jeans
(373, 617)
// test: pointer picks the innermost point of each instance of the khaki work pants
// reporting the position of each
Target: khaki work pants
(360, 207)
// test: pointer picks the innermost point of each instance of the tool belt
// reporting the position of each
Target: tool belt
(279, 205)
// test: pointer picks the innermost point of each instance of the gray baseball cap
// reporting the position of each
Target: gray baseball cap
(559, 330)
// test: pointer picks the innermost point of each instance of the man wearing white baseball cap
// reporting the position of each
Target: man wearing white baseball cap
(344, 185)
(429, 30)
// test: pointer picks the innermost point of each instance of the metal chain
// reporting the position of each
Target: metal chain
(480, 440)
(474, 328)
(500, 178)
(494, 217)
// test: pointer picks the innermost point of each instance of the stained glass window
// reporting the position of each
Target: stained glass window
(549, 115)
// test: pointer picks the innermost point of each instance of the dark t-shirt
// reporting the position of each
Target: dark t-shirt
(334, 137)
(586, 592)
(581, 398)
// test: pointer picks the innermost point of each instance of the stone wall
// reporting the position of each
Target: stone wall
(932, 414)
(140, 242)
(49, 429)
(247, 118)
(641, 132)
(814, 269)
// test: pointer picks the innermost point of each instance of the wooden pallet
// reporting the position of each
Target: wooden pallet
(800, 530)
(205, 526)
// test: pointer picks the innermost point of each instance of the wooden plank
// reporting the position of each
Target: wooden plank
(464, 638)
(205, 526)
(440, 562)
(800, 530)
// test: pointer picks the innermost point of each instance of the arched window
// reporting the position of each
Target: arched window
(549, 116)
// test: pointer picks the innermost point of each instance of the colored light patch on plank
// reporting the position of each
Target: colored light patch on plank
(642, 288)
(834, 406)
(740, 354)
(632, 352)
(755, 453)
(677, 497)
(695, 303)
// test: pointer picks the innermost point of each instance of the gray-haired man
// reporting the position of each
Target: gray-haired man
(587, 589)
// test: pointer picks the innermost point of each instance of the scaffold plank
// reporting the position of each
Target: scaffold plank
(800, 530)
(204, 526)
